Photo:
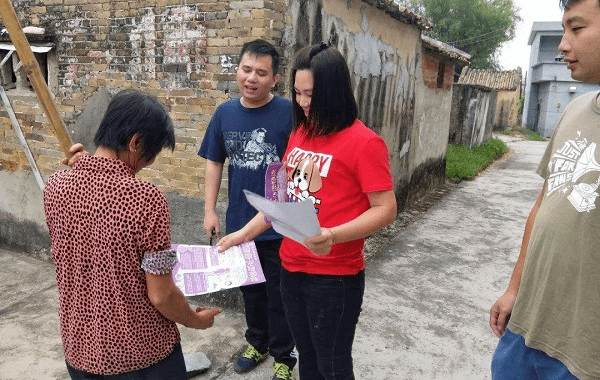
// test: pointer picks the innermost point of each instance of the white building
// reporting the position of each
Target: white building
(549, 88)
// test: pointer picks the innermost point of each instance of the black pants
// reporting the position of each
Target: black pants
(170, 368)
(323, 312)
(267, 325)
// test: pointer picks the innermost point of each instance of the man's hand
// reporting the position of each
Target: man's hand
(77, 151)
(211, 225)
(206, 317)
(500, 313)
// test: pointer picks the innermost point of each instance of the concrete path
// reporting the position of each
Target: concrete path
(425, 312)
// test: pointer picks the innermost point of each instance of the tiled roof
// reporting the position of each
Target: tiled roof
(446, 49)
(497, 80)
(401, 13)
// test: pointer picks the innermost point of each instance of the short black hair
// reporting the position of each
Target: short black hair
(565, 4)
(333, 106)
(132, 112)
(261, 48)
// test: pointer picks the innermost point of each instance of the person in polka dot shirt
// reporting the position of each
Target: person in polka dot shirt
(110, 242)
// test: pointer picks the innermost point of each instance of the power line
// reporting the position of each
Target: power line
(474, 42)
(481, 35)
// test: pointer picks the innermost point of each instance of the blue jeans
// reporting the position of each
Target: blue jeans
(323, 312)
(170, 368)
(513, 360)
(267, 327)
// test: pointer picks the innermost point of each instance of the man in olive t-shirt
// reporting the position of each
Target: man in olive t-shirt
(552, 304)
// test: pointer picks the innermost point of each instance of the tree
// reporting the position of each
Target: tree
(477, 27)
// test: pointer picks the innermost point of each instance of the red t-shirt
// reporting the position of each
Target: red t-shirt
(102, 221)
(336, 172)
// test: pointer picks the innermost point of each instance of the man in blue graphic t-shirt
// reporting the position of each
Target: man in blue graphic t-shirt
(252, 131)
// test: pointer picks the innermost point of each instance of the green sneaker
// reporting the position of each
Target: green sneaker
(249, 359)
(282, 372)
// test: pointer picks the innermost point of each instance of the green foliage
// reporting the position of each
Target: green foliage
(464, 163)
(534, 136)
(478, 27)
(521, 104)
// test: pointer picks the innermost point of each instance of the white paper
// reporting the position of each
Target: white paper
(295, 220)
(201, 269)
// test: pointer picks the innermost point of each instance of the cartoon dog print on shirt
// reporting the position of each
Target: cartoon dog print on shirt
(305, 179)
(305, 173)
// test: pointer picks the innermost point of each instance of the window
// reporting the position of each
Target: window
(13, 77)
(441, 72)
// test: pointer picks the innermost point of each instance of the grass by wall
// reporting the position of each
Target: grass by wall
(528, 133)
(464, 163)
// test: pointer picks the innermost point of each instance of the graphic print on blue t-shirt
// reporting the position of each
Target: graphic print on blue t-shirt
(567, 165)
(248, 150)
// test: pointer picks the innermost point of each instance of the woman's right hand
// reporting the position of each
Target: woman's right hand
(228, 241)
(206, 317)
(77, 151)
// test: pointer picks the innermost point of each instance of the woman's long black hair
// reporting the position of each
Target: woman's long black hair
(333, 106)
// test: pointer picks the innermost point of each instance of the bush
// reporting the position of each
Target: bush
(534, 136)
(465, 163)
(521, 104)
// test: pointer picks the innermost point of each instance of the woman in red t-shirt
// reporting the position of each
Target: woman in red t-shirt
(342, 166)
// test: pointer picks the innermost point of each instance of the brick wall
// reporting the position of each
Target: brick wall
(185, 53)
(432, 77)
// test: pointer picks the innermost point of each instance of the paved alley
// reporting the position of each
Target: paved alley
(425, 312)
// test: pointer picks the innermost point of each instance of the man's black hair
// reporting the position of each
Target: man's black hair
(565, 4)
(132, 112)
(261, 48)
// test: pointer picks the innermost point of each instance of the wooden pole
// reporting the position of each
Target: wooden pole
(34, 73)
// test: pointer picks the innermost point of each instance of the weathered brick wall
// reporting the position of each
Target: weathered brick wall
(430, 66)
(185, 55)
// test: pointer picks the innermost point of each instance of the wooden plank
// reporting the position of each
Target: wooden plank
(34, 73)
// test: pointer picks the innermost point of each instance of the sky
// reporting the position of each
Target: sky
(516, 53)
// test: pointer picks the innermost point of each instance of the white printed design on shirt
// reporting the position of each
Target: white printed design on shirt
(249, 150)
(568, 164)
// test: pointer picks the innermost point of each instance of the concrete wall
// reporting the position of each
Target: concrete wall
(473, 110)
(507, 110)
(383, 66)
(186, 55)
(431, 125)
(548, 48)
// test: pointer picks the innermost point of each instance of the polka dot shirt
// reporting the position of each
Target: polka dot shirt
(103, 222)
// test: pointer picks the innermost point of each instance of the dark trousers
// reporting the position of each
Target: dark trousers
(267, 326)
(323, 312)
(170, 368)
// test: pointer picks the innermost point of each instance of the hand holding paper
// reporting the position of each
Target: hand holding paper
(295, 220)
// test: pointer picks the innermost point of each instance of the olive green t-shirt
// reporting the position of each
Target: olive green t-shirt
(557, 309)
